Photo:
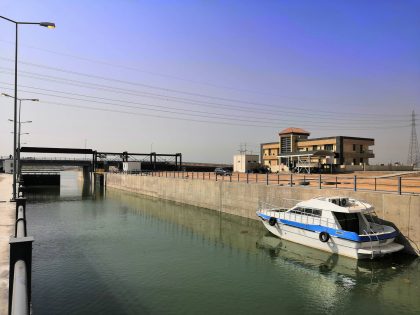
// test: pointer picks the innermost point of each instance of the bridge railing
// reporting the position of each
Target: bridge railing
(397, 184)
(20, 263)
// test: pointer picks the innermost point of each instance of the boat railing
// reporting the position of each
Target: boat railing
(282, 214)
(370, 241)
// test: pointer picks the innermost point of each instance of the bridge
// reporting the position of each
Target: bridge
(101, 160)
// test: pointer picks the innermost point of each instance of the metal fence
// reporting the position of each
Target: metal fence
(398, 184)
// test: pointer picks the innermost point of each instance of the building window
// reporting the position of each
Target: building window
(361, 160)
(329, 147)
(286, 145)
(361, 148)
(354, 162)
(354, 147)
(314, 147)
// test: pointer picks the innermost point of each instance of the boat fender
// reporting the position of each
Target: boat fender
(272, 221)
(324, 237)
(343, 202)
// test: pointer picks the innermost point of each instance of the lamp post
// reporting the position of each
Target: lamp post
(20, 126)
(44, 24)
(19, 143)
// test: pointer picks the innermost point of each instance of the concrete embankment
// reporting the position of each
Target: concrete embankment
(242, 199)
(7, 214)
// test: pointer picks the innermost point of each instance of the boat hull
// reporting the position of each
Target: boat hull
(348, 248)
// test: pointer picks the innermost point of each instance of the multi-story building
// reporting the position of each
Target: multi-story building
(296, 150)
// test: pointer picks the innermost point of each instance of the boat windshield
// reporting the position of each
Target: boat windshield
(371, 217)
(348, 221)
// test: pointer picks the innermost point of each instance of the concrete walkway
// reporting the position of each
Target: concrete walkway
(7, 213)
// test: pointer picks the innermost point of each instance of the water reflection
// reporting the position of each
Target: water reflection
(182, 259)
(336, 274)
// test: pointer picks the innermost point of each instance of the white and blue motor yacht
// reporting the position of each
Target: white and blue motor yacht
(340, 225)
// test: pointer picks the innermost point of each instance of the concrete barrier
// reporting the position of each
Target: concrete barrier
(242, 199)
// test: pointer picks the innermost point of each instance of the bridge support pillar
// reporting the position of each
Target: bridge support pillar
(86, 173)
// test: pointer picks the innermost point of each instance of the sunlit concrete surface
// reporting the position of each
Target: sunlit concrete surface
(6, 230)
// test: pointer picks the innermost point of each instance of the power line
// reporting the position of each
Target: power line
(184, 92)
(264, 119)
(89, 85)
(231, 122)
(199, 113)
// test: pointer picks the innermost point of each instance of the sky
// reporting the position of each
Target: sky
(204, 77)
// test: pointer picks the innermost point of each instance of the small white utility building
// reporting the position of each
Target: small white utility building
(132, 166)
(8, 166)
(243, 163)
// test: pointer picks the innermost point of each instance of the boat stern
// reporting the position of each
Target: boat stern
(379, 250)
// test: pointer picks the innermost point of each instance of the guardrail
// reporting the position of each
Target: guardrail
(399, 184)
(20, 263)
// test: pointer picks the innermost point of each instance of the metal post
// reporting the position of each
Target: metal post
(399, 185)
(216, 177)
(19, 132)
(336, 182)
(247, 178)
(320, 181)
(15, 116)
(355, 182)
(238, 177)
(278, 179)
(256, 177)
(291, 180)
(230, 177)
(375, 183)
(266, 179)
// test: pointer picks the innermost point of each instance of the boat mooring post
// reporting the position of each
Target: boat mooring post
(355, 183)
(399, 185)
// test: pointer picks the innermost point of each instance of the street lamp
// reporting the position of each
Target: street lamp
(18, 147)
(44, 24)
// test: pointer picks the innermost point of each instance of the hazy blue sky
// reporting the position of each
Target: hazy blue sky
(201, 77)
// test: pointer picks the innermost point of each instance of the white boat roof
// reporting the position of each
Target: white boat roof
(322, 203)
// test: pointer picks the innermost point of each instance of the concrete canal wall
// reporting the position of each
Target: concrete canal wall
(242, 199)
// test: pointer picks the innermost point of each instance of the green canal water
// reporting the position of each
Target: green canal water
(128, 254)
